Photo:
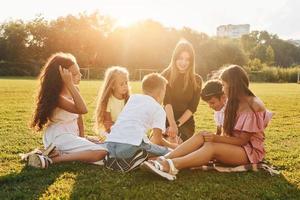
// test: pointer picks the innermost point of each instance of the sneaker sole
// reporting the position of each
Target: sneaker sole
(141, 157)
(100, 162)
(126, 165)
(149, 167)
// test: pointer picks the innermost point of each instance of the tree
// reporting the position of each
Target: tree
(270, 55)
(218, 52)
(270, 49)
(14, 40)
(83, 35)
(38, 30)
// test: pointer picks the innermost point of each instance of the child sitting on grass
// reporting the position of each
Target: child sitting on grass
(127, 143)
(214, 96)
(111, 99)
(59, 107)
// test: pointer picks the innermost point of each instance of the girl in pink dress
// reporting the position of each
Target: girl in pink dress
(245, 119)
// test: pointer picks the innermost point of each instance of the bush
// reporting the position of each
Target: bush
(19, 69)
(275, 74)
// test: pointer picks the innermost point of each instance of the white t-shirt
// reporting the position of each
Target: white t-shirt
(219, 116)
(140, 114)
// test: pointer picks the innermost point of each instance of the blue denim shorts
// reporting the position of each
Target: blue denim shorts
(121, 150)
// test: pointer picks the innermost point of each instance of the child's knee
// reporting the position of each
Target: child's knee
(209, 146)
(199, 135)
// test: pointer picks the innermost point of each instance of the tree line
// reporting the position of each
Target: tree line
(97, 43)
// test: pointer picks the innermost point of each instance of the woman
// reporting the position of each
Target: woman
(183, 91)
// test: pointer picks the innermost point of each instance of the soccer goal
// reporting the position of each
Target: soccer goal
(140, 73)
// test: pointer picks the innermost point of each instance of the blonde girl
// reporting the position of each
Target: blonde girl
(111, 99)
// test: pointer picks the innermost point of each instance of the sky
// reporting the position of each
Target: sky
(279, 17)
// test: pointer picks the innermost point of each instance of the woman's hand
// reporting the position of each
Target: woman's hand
(66, 76)
(208, 137)
(172, 131)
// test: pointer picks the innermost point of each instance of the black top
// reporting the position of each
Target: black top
(181, 99)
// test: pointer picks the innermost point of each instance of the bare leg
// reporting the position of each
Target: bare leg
(190, 145)
(84, 156)
(225, 153)
(54, 153)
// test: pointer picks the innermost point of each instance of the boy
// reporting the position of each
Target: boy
(127, 143)
(213, 95)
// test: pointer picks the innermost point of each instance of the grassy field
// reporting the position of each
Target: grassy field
(84, 181)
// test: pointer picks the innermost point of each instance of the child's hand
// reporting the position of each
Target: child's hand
(93, 139)
(175, 145)
(66, 76)
(172, 131)
(107, 125)
(208, 137)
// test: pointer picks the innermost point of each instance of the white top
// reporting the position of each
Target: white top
(63, 132)
(114, 107)
(219, 116)
(140, 114)
(61, 122)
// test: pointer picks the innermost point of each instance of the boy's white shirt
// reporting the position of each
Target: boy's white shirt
(219, 116)
(140, 114)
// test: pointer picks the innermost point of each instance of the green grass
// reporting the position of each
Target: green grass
(84, 181)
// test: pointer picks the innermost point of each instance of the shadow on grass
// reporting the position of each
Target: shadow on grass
(95, 182)
(30, 183)
(99, 183)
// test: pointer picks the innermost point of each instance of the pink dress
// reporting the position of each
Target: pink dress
(254, 123)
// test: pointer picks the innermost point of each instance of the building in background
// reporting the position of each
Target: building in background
(233, 31)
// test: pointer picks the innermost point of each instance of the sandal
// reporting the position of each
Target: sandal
(172, 169)
(46, 152)
(39, 161)
(157, 168)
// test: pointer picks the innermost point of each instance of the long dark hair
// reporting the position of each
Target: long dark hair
(50, 88)
(238, 85)
(171, 72)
